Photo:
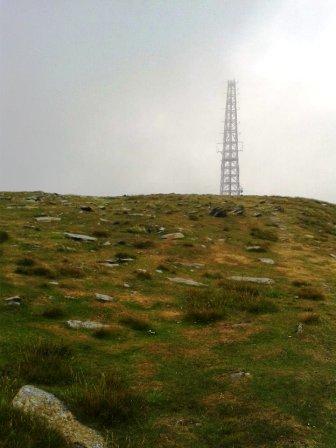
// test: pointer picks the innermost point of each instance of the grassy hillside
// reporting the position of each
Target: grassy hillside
(224, 364)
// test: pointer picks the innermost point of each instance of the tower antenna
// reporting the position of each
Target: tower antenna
(229, 182)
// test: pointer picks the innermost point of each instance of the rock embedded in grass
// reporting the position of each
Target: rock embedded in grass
(239, 375)
(13, 301)
(79, 237)
(185, 281)
(104, 298)
(173, 236)
(46, 406)
(267, 260)
(87, 324)
(262, 280)
(254, 249)
(47, 219)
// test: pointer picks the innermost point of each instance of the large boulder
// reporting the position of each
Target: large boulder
(44, 405)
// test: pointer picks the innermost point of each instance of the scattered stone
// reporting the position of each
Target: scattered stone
(127, 285)
(254, 249)
(104, 298)
(218, 212)
(109, 264)
(240, 278)
(87, 324)
(45, 405)
(299, 329)
(239, 375)
(47, 219)
(86, 208)
(13, 301)
(172, 236)
(279, 208)
(333, 256)
(107, 243)
(78, 237)
(53, 283)
(238, 210)
(192, 265)
(185, 281)
(257, 214)
(267, 260)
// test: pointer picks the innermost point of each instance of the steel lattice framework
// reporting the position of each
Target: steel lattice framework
(229, 183)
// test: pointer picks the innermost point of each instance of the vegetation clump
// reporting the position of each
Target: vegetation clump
(4, 236)
(107, 400)
(264, 234)
(45, 362)
(311, 293)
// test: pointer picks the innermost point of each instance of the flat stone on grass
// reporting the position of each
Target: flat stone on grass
(185, 281)
(262, 280)
(47, 219)
(267, 260)
(79, 237)
(104, 298)
(87, 324)
(173, 236)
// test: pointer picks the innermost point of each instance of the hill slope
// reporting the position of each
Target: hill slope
(227, 363)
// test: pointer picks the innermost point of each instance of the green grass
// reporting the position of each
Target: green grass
(160, 374)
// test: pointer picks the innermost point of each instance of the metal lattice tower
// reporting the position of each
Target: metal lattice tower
(229, 183)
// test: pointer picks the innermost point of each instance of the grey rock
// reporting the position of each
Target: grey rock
(192, 265)
(87, 324)
(218, 212)
(172, 236)
(13, 301)
(104, 297)
(254, 249)
(239, 375)
(47, 219)
(185, 281)
(262, 280)
(46, 406)
(79, 237)
(267, 260)
(299, 328)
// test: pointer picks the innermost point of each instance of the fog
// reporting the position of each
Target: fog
(109, 97)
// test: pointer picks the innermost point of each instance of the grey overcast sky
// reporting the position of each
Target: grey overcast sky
(126, 96)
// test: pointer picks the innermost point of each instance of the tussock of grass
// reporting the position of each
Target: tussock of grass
(4, 236)
(209, 305)
(25, 262)
(311, 293)
(135, 323)
(37, 271)
(107, 400)
(102, 333)
(144, 275)
(100, 234)
(145, 244)
(309, 318)
(44, 362)
(70, 272)
(53, 312)
(264, 234)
